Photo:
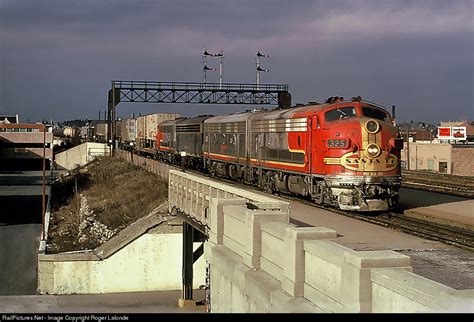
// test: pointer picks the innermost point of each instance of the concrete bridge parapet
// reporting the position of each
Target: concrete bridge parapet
(191, 194)
(259, 262)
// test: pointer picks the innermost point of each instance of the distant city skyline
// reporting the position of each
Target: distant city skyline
(57, 58)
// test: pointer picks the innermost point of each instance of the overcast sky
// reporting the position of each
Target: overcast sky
(57, 57)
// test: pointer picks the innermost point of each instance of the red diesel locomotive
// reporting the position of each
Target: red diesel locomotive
(344, 154)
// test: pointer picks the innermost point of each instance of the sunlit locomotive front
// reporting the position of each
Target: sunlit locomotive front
(359, 150)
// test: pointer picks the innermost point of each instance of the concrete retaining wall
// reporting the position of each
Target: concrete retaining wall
(81, 155)
(140, 258)
(261, 263)
(150, 165)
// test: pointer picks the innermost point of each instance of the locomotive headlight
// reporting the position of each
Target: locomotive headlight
(372, 126)
(373, 150)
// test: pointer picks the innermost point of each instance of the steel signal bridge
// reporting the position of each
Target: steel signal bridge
(200, 93)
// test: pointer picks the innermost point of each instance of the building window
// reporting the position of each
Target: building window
(443, 167)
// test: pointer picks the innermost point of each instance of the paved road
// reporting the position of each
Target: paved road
(137, 302)
(20, 230)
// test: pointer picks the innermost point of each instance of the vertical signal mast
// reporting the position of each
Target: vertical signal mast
(260, 69)
(221, 63)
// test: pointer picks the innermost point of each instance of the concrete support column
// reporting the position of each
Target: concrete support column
(188, 238)
(294, 262)
(253, 246)
(356, 276)
(216, 218)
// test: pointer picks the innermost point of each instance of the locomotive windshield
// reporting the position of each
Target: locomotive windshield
(375, 113)
(340, 113)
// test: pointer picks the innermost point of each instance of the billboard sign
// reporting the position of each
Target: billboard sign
(452, 133)
(459, 133)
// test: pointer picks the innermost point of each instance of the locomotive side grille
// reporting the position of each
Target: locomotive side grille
(237, 127)
(188, 128)
(280, 125)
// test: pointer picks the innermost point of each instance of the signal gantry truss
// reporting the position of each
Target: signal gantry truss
(202, 93)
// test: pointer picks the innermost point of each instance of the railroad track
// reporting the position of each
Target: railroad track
(453, 236)
(439, 182)
(429, 230)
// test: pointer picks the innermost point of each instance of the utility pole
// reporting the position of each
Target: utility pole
(43, 199)
(408, 148)
(393, 116)
(112, 116)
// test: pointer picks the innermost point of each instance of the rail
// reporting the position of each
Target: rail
(439, 182)
(450, 235)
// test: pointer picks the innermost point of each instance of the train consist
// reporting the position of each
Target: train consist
(343, 154)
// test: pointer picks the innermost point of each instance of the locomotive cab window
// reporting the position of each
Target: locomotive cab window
(375, 114)
(340, 113)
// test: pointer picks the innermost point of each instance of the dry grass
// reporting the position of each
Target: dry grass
(117, 192)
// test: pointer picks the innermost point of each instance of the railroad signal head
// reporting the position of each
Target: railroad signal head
(208, 68)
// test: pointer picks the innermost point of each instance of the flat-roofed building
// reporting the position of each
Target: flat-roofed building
(439, 157)
(23, 145)
(8, 119)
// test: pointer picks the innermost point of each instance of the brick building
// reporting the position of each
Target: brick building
(439, 157)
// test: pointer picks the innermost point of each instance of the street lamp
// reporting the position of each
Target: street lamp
(260, 69)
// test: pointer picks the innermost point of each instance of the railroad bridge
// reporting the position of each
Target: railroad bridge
(259, 262)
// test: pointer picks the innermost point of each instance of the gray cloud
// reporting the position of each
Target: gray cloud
(57, 57)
